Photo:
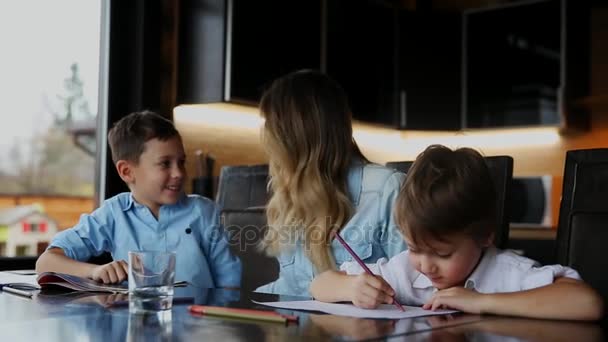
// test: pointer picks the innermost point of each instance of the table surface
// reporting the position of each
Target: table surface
(60, 316)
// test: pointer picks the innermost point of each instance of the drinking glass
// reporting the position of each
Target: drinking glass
(151, 277)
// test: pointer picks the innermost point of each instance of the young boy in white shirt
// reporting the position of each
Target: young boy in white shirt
(446, 211)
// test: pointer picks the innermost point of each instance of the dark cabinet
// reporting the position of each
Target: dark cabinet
(526, 64)
(401, 68)
(361, 56)
(230, 50)
(430, 69)
(267, 39)
(427, 66)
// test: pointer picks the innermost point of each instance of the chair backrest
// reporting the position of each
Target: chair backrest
(242, 195)
(245, 229)
(243, 186)
(582, 232)
(501, 170)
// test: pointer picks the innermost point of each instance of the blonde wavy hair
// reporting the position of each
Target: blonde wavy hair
(308, 138)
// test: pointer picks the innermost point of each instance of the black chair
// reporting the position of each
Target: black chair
(501, 169)
(582, 229)
(245, 229)
(242, 195)
(243, 186)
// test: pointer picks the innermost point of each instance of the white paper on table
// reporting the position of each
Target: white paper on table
(8, 277)
(388, 311)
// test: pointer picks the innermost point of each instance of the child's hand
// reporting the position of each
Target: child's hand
(368, 291)
(111, 273)
(457, 298)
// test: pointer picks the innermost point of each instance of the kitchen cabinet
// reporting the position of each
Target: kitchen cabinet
(426, 66)
(401, 68)
(230, 50)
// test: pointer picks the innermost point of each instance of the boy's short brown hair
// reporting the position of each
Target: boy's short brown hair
(128, 136)
(446, 192)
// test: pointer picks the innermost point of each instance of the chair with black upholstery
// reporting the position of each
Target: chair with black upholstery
(242, 195)
(245, 229)
(501, 170)
(582, 229)
(243, 186)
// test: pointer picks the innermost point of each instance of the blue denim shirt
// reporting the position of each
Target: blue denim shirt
(190, 227)
(371, 232)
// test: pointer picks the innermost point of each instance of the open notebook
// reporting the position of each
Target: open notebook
(52, 279)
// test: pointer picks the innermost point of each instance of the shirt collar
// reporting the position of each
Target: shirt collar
(472, 282)
(422, 282)
(479, 273)
(130, 202)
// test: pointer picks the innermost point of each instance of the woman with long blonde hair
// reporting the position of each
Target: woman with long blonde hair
(321, 183)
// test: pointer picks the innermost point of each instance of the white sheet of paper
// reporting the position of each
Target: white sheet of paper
(388, 311)
(9, 277)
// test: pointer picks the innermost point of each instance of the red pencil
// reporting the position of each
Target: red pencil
(254, 314)
(362, 264)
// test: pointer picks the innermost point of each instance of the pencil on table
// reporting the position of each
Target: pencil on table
(251, 314)
(17, 292)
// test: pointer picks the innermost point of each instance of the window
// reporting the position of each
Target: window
(50, 66)
(21, 250)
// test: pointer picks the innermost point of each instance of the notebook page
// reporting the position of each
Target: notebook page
(387, 311)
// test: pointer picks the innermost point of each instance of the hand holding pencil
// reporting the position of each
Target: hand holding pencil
(369, 288)
(368, 291)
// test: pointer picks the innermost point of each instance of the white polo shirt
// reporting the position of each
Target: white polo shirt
(498, 271)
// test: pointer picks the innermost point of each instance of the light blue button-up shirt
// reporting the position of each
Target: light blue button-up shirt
(371, 232)
(190, 227)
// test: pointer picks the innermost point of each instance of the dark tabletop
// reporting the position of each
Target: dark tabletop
(61, 316)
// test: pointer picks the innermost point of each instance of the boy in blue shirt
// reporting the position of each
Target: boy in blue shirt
(155, 215)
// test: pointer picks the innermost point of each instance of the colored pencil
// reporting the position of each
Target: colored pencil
(251, 314)
(17, 292)
(362, 264)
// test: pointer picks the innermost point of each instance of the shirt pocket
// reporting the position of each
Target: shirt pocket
(287, 282)
(363, 251)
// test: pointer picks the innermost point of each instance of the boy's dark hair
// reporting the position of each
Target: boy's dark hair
(445, 192)
(128, 136)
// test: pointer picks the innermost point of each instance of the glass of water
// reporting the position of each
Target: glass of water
(151, 277)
